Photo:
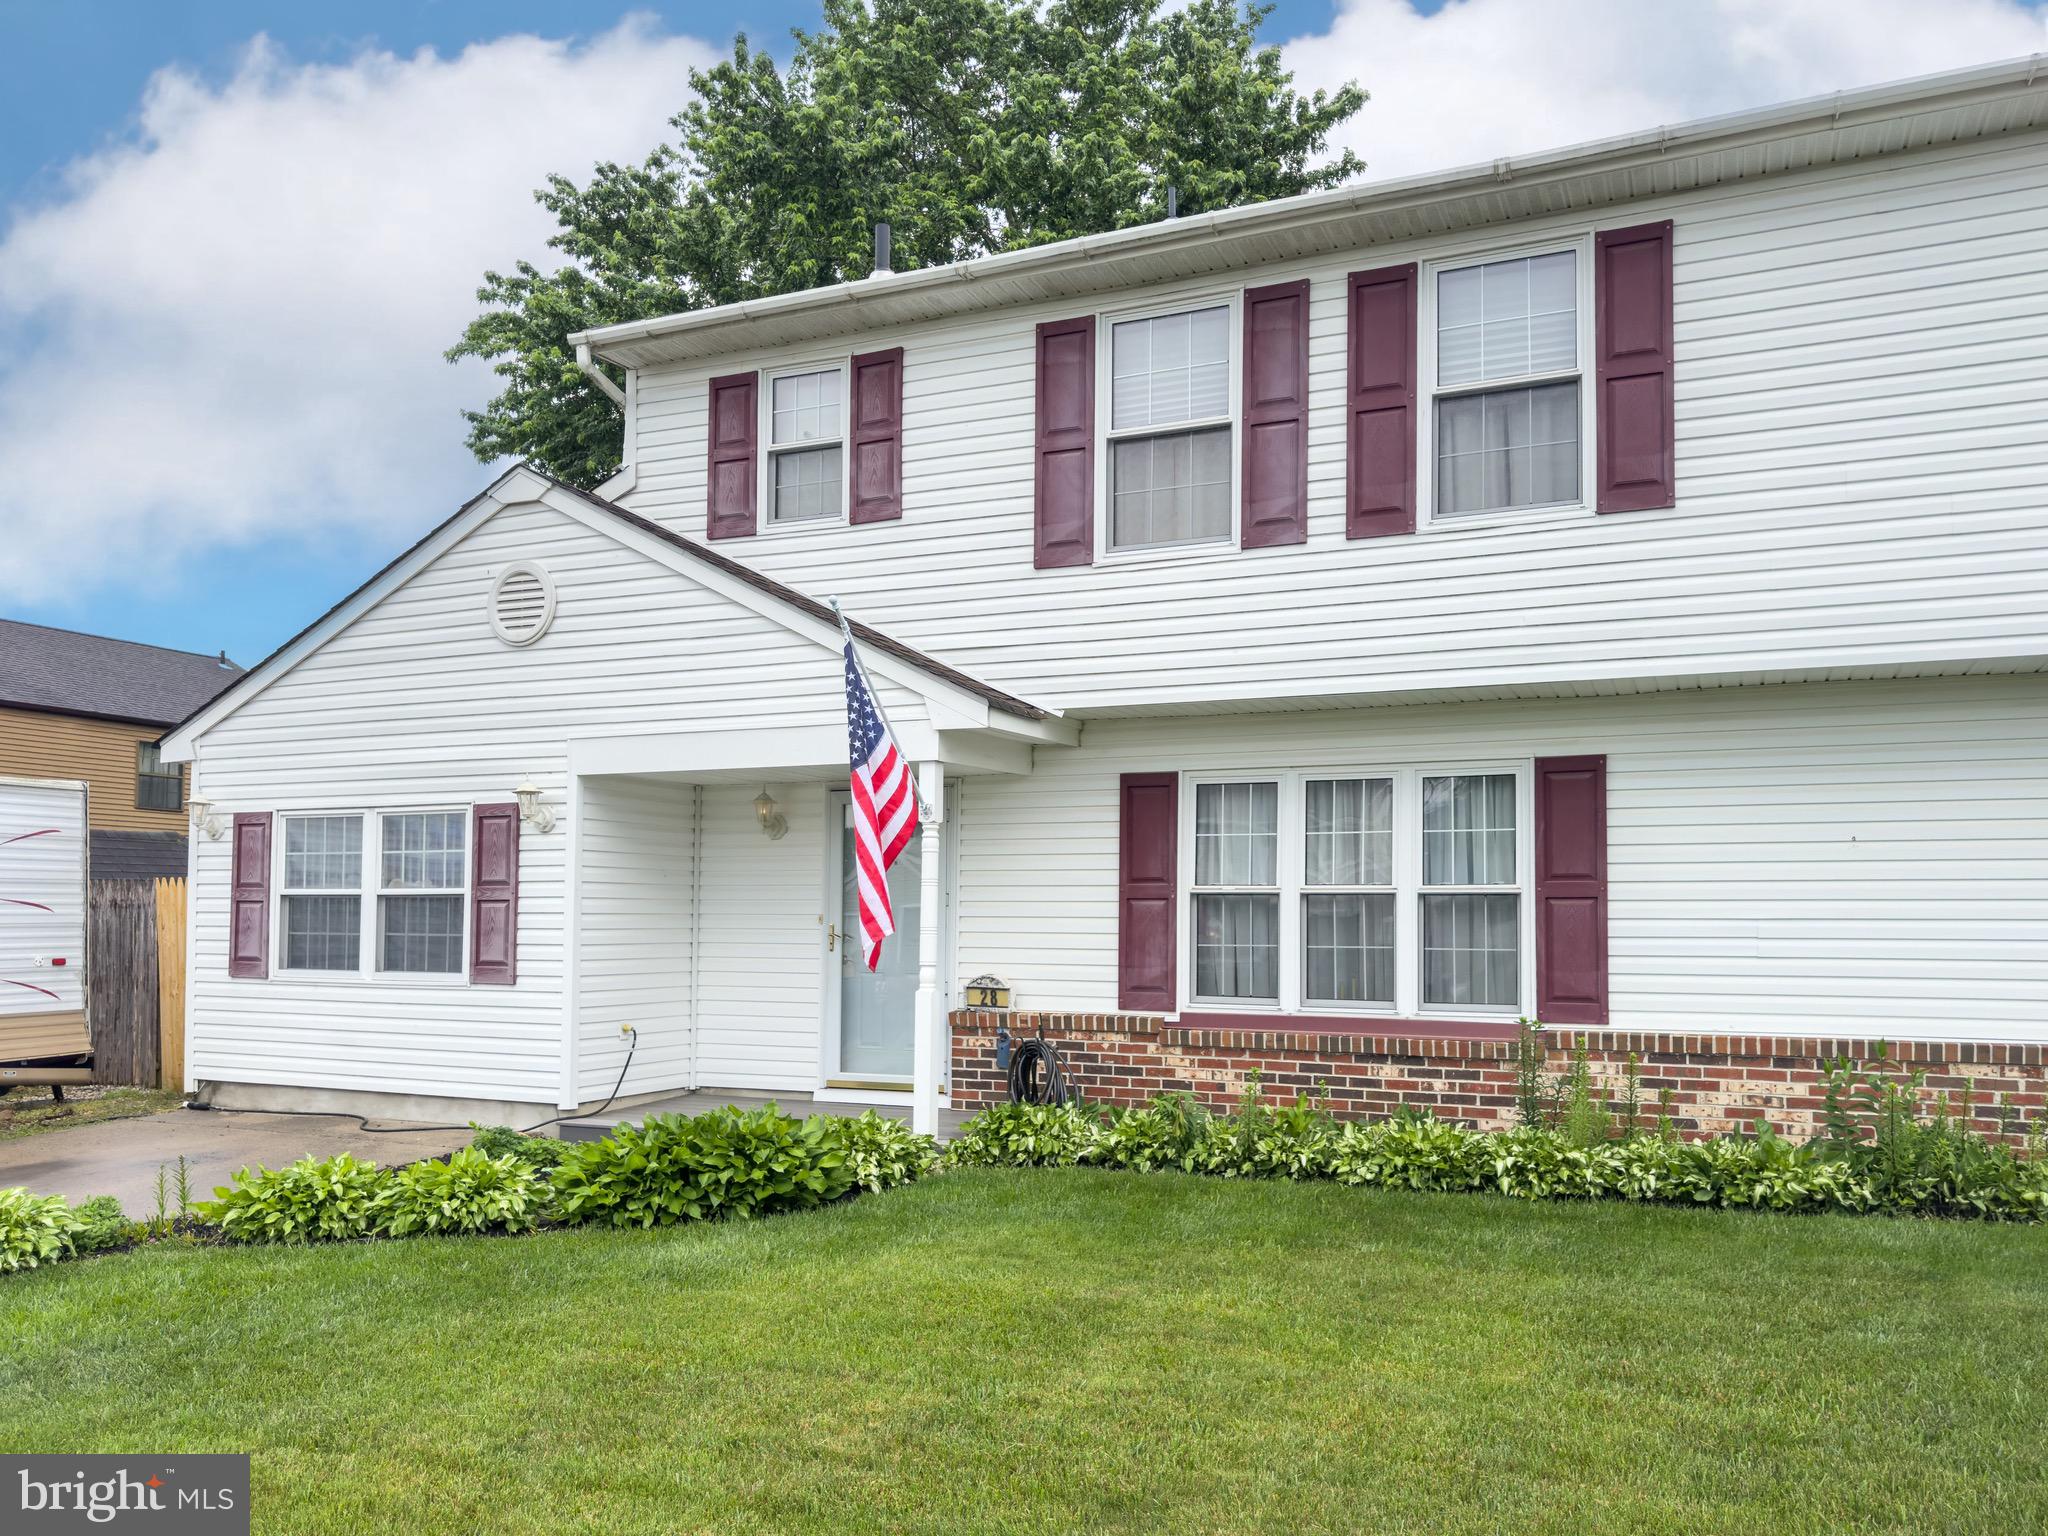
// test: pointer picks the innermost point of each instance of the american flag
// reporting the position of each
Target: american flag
(884, 805)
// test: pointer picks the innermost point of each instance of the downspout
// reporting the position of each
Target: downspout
(595, 372)
(696, 922)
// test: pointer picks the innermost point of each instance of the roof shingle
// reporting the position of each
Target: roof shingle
(60, 669)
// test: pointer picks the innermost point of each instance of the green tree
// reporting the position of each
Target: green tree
(972, 126)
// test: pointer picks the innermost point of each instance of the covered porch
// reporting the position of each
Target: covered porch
(712, 957)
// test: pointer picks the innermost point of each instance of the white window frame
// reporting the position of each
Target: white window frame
(1231, 301)
(768, 449)
(1408, 890)
(379, 891)
(370, 889)
(1430, 520)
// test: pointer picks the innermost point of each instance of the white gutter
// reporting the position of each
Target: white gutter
(1814, 114)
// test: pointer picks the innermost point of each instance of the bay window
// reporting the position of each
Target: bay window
(1396, 892)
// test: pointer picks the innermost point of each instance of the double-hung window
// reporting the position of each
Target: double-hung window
(1169, 443)
(1396, 892)
(159, 786)
(1237, 891)
(1508, 394)
(806, 446)
(422, 887)
(320, 916)
(403, 910)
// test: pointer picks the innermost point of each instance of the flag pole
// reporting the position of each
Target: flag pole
(853, 650)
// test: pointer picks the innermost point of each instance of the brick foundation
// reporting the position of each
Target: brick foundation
(1718, 1084)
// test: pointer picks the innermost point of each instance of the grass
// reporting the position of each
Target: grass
(26, 1111)
(1000, 1352)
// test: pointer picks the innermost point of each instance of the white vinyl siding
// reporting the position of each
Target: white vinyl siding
(1862, 353)
(1860, 859)
(417, 705)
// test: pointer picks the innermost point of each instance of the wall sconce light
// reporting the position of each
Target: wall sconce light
(204, 819)
(769, 814)
(531, 810)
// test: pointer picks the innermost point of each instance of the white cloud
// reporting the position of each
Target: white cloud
(1485, 78)
(230, 326)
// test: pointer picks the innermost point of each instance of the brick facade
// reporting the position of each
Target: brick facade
(1718, 1084)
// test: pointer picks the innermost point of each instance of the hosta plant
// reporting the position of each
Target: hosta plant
(35, 1229)
(470, 1192)
(316, 1199)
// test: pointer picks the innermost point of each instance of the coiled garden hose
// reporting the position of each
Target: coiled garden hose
(1036, 1076)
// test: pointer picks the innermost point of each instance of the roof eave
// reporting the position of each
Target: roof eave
(1727, 131)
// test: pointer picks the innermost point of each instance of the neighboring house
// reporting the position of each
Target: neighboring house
(75, 706)
(1608, 586)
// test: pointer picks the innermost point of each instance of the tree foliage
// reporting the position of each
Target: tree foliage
(972, 126)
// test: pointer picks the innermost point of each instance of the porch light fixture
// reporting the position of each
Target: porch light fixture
(531, 810)
(204, 819)
(769, 814)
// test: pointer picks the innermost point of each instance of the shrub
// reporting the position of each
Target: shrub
(1172, 1131)
(312, 1200)
(35, 1229)
(103, 1225)
(1411, 1151)
(502, 1141)
(470, 1192)
(730, 1162)
(1292, 1142)
(883, 1152)
(1026, 1136)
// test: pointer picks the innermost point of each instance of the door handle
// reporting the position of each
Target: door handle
(831, 936)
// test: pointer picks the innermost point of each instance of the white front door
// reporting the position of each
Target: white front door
(870, 1015)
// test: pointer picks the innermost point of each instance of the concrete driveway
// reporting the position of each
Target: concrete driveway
(121, 1157)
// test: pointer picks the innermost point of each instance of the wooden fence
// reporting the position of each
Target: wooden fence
(135, 953)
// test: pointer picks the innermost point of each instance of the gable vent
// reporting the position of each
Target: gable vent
(522, 603)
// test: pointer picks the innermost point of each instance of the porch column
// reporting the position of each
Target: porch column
(930, 1023)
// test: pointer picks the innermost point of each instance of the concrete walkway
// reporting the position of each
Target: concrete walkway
(121, 1157)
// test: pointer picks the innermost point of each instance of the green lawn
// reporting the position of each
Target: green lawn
(1056, 1352)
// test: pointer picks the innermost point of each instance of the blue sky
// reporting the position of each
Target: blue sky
(228, 269)
(71, 76)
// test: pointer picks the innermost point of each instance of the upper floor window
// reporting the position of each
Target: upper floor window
(1169, 445)
(159, 786)
(806, 446)
(1508, 384)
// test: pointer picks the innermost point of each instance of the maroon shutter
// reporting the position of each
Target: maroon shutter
(1571, 890)
(877, 478)
(494, 897)
(1632, 349)
(1379, 408)
(1275, 415)
(1146, 898)
(249, 897)
(1063, 485)
(730, 479)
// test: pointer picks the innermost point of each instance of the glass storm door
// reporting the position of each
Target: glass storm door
(876, 1010)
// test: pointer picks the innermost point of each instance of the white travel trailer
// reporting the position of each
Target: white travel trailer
(43, 1033)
